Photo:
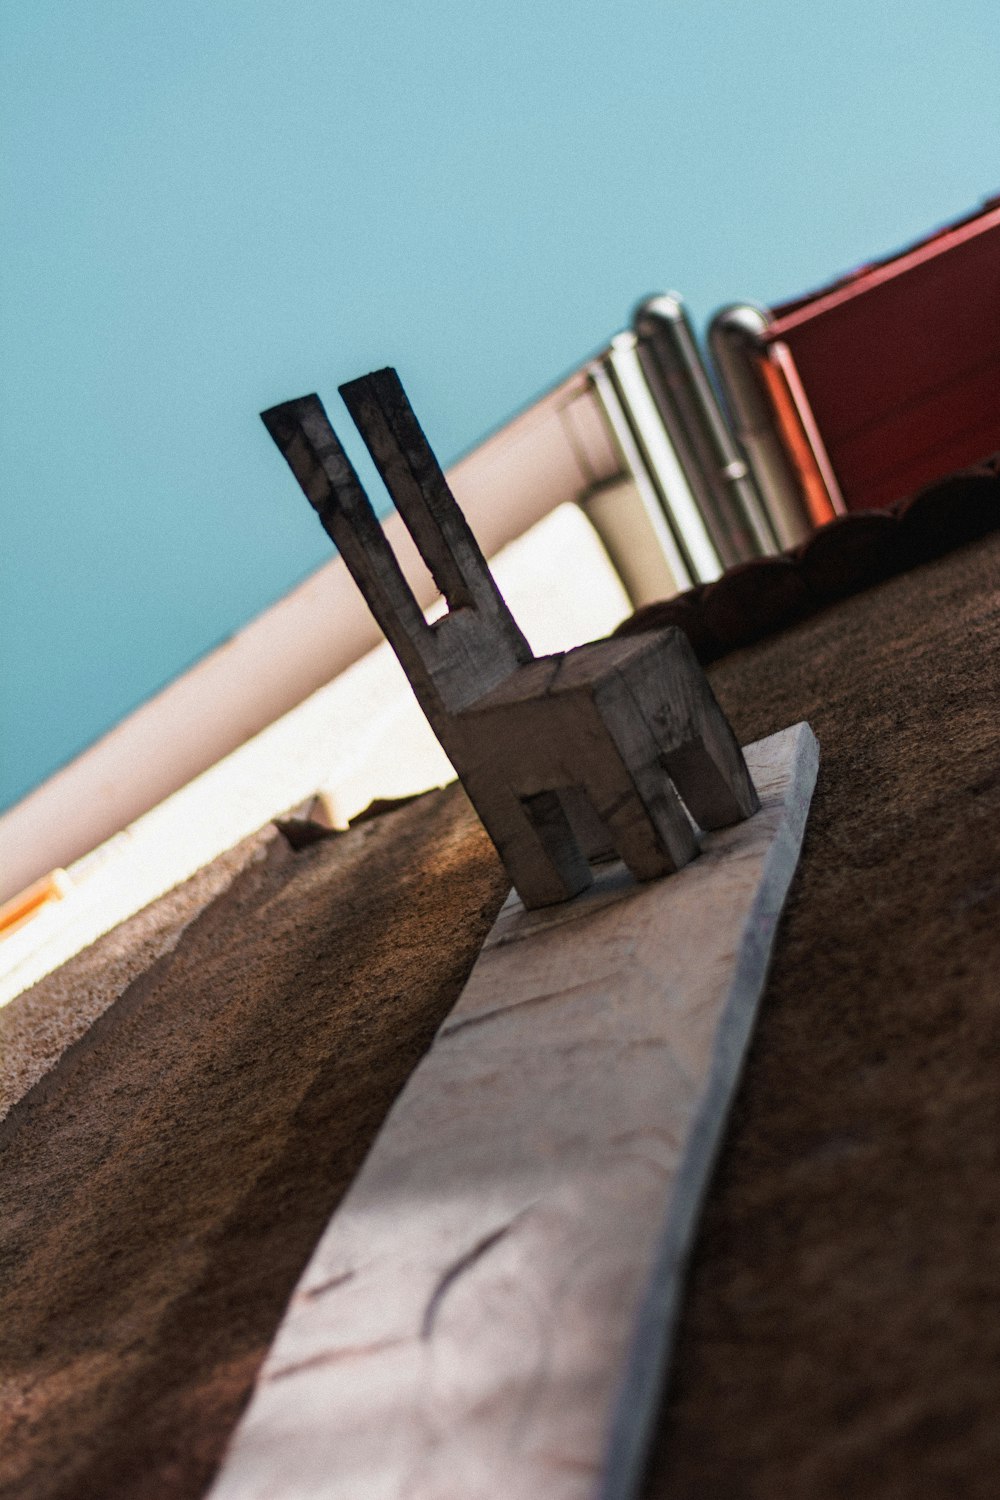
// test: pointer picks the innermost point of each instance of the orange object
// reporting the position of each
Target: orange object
(798, 430)
(29, 902)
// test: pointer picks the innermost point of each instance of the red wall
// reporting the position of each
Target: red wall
(901, 364)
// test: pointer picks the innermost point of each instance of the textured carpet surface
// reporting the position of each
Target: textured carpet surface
(162, 1187)
(841, 1334)
(40, 1023)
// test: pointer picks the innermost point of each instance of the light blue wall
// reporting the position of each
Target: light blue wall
(212, 206)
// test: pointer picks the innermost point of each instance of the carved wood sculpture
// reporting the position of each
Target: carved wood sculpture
(564, 757)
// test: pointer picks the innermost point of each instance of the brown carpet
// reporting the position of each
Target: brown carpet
(841, 1335)
(162, 1188)
(37, 1027)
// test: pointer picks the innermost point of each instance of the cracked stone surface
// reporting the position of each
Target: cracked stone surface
(467, 1321)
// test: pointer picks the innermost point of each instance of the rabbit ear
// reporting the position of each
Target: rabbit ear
(414, 478)
(412, 475)
(302, 431)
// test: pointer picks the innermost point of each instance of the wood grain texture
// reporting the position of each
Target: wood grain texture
(629, 727)
(489, 1310)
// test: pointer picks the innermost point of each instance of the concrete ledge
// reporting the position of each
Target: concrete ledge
(489, 1311)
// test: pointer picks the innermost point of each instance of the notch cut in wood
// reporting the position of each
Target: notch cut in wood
(617, 746)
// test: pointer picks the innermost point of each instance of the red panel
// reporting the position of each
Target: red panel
(901, 365)
(923, 440)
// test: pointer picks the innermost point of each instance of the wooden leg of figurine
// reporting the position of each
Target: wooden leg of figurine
(549, 819)
(643, 815)
(663, 810)
(715, 797)
(696, 744)
(535, 841)
(591, 834)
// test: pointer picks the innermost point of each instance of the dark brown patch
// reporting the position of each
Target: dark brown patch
(379, 806)
(754, 599)
(852, 553)
(302, 833)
